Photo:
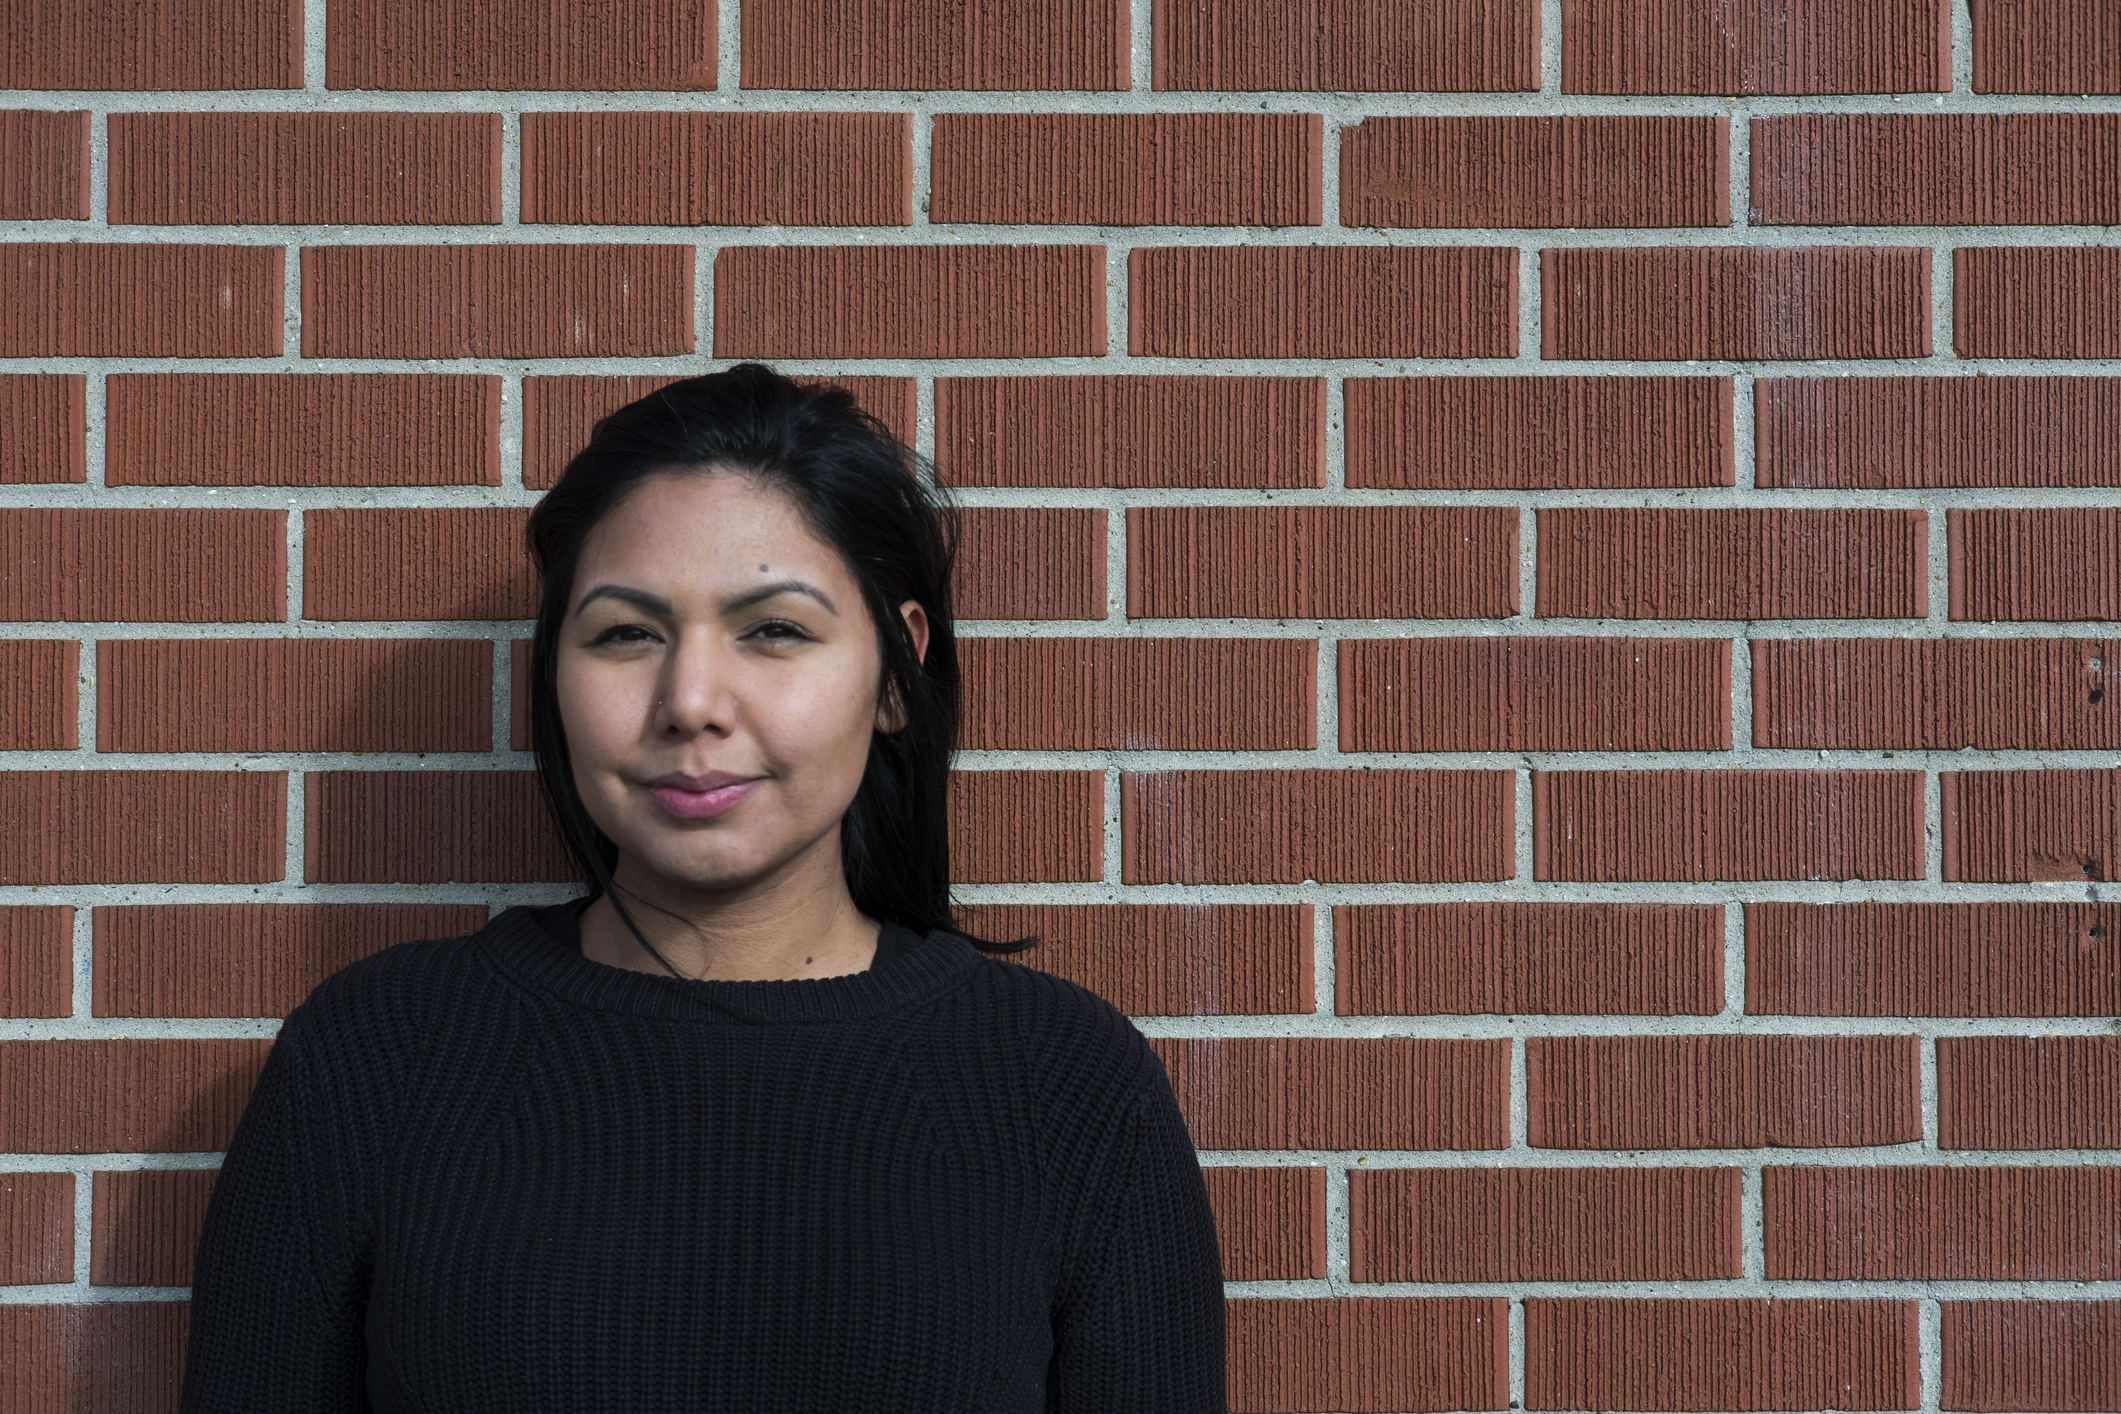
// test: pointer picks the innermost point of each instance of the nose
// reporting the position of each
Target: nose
(697, 693)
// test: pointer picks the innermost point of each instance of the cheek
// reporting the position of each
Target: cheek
(599, 710)
(821, 721)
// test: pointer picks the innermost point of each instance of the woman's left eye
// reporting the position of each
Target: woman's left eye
(778, 631)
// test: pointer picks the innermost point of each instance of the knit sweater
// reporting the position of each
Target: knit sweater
(489, 1174)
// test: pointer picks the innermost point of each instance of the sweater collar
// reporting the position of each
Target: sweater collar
(521, 943)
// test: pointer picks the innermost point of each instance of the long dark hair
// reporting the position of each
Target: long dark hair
(858, 488)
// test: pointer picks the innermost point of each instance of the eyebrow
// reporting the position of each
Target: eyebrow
(736, 603)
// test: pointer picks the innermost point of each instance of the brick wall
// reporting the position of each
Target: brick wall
(1541, 576)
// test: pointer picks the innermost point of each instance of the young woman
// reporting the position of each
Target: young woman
(750, 1127)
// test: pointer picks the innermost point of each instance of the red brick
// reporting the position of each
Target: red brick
(559, 411)
(475, 301)
(1742, 1353)
(1483, 1224)
(1735, 302)
(1129, 430)
(138, 1359)
(305, 169)
(124, 1097)
(171, 566)
(1937, 694)
(1140, 694)
(2046, 46)
(520, 44)
(1695, 826)
(116, 44)
(1931, 432)
(519, 695)
(46, 178)
(1933, 959)
(39, 694)
(467, 563)
(1020, 301)
(247, 959)
(1199, 959)
(1536, 172)
(718, 169)
(145, 1225)
(430, 827)
(1027, 826)
(2036, 302)
(37, 1228)
(144, 827)
(1127, 169)
(319, 429)
(1942, 1224)
(1327, 562)
(266, 694)
(1756, 46)
(1535, 694)
(2030, 1092)
(1030, 564)
(2053, 564)
(1288, 827)
(1722, 1092)
(1347, 46)
(1322, 302)
(2061, 827)
(140, 301)
(1269, 1222)
(44, 428)
(1291, 1092)
(1536, 959)
(2031, 1355)
(1750, 563)
(1471, 434)
(1384, 1353)
(935, 44)
(1936, 169)
(37, 961)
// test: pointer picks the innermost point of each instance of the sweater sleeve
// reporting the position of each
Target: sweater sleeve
(1140, 1324)
(279, 1291)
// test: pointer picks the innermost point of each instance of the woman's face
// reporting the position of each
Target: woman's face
(718, 676)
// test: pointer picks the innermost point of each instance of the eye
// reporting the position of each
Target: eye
(623, 633)
(778, 631)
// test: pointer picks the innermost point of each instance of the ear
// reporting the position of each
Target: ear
(890, 712)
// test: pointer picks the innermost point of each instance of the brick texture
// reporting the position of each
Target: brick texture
(1535, 694)
(1753, 563)
(1722, 1092)
(38, 694)
(1287, 827)
(43, 428)
(2029, 1092)
(2031, 1355)
(1758, 46)
(2018, 958)
(1030, 564)
(1027, 826)
(140, 301)
(1319, 1093)
(1536, 959)
(139, 1362)
(47, 174)
(1938, 694)
(1322, 302)
(1735, 302)
(518, 44)
(140, 827)
(933, 44)
(2053, 564)
(1115, 431)
(1536, 172)
(1345, 45)
(1195, 959)
(429, 827)
(1328, 562)
(1153, 694)
(467, 563)
(305, 169)
(1942, 1224)
(175, 566)
(718, 169)
(1483, 1224)
(37, 1228)
(145, 1226)
(1933, 432)
(496, 301)
(36, 961)
(2046, 46)
(1936, 169)
(124, 1097)
(2027, 302)
(1269, 1222)
(115, 45)
(1368, 1354)
(247, 959)
(2038, 826)
(1742, 1354)
(319, 429)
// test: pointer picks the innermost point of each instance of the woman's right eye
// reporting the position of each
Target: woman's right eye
(623, 633)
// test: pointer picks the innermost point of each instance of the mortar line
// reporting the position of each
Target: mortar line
(1141, 57)
(84, 1220)
(82, 967)
(1325, 960)
(1550, 21)
(1339, 1234)
(729, 49)
(316, 48)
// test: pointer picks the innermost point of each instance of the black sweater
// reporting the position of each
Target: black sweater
(490, 1174)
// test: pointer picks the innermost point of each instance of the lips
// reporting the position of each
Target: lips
(701, 797)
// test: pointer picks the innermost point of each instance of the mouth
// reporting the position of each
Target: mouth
(701, 797)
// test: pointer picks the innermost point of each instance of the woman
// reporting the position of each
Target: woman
(750, 1127)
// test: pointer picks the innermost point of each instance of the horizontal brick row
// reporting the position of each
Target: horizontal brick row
(2047, 46)
(1936, 169)
(144, 1225)
(2054, 564)
(2036, 302)
(137, 827)
(1317, 1093)
(1933, 432)
(124, 1097)
(2024, 826)
(39, 686)
(36, 960)
(2010, 1355)
(491, 44)
(110, 45)
(1942, 1224)
(1140, 694)
(140, 301)
(1388, 1353)
(43, 428)
(1288, 45)
(1269, 1222)
(1935, 694)
(139, 1348)
(1166, 959)
(36, 1228)
(46, 178)
(2026, 1092)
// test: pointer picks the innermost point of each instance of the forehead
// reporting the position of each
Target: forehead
(710, 528)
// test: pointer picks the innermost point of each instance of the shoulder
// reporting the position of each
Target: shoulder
(1079, 1047)
(406, 999)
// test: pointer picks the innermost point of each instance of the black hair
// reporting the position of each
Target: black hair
(859, 489)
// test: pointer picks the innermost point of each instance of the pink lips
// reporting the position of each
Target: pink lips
(700, 797)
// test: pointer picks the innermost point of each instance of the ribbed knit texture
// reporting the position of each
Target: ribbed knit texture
(490, 1174)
